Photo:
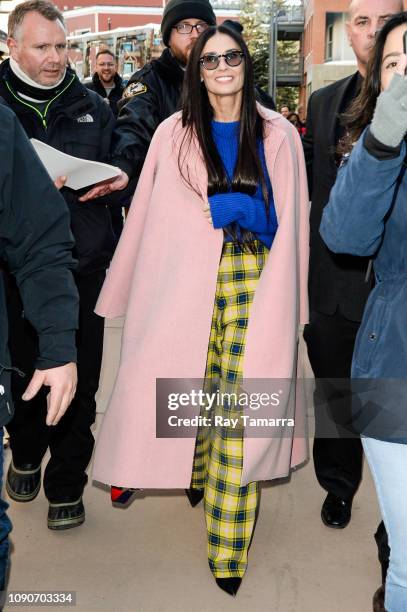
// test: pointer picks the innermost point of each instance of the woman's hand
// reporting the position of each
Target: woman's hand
(207, 213)
(389, 124)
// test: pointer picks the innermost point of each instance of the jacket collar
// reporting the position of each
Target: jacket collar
(76, 101)
(169, 68)
(118, 82)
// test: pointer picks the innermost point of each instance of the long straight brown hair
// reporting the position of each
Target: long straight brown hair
(197, 115)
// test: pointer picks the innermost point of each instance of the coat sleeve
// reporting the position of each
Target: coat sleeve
(115, 293)
(138, 119)
(308, 143)
(353, 220)
(36, 242)
(303, 229)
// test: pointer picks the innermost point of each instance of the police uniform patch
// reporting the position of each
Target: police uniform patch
(134, 89)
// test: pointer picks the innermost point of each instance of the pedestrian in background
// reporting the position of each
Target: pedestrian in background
(106, 81)
(295, 120)
(285, 111)
(366, 216)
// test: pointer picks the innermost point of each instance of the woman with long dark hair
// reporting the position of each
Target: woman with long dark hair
(211, 274)
(366, 215)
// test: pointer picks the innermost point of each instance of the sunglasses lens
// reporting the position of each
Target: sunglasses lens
(210, 62)
(233, 59)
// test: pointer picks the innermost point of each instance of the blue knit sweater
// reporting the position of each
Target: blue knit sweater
(249, 212)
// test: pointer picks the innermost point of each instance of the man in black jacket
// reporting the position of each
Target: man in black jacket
(338, 284)
(36, 245)
(153, 93)
(106, 81)
(54, 107)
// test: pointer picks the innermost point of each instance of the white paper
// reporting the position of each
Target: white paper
(79, 172)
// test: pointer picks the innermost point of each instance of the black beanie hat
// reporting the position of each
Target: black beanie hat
(235, 25)
(177, 10)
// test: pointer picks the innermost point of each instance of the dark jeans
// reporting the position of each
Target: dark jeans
(338, 459)
(5, 528)
(71, 441)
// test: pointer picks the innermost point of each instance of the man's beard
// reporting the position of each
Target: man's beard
(104, 79)
(182, 56)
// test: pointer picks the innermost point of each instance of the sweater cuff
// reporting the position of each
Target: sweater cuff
(225, 208)
(379, 150)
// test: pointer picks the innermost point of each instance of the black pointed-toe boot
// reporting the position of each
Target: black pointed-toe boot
(194, 496)
(229, 585)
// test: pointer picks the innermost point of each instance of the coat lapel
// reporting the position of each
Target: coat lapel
(338, 96)
(272, 143)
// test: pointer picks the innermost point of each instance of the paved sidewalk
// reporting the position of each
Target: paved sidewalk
(151, 556)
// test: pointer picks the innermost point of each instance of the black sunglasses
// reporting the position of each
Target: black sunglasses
(210, 61)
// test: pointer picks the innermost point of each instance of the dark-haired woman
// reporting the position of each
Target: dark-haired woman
(367, 215)
(214, 250)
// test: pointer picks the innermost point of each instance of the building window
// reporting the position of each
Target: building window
(329, 43)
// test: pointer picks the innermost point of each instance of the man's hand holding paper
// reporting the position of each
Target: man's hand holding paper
(79, 173)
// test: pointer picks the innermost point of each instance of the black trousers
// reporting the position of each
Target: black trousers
(116, 215)
(71, 441)
(338, 459)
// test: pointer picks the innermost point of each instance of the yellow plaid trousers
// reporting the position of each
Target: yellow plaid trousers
(230, 510)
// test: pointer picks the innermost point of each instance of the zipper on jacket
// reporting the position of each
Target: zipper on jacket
(41, 115)
(11, 369)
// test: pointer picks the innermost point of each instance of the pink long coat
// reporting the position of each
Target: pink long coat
(163, 279)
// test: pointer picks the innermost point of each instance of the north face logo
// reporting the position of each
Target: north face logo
(85, 119)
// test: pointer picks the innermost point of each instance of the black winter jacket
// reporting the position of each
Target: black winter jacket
(36, 246)
(79, 123)
(152, 94)
(115, 94)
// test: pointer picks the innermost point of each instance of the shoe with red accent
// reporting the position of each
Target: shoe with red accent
(120, 495)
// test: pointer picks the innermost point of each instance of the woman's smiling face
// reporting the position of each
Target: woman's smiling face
(224, 80)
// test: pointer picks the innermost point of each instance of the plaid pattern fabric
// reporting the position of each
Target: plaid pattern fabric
(230, 510)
